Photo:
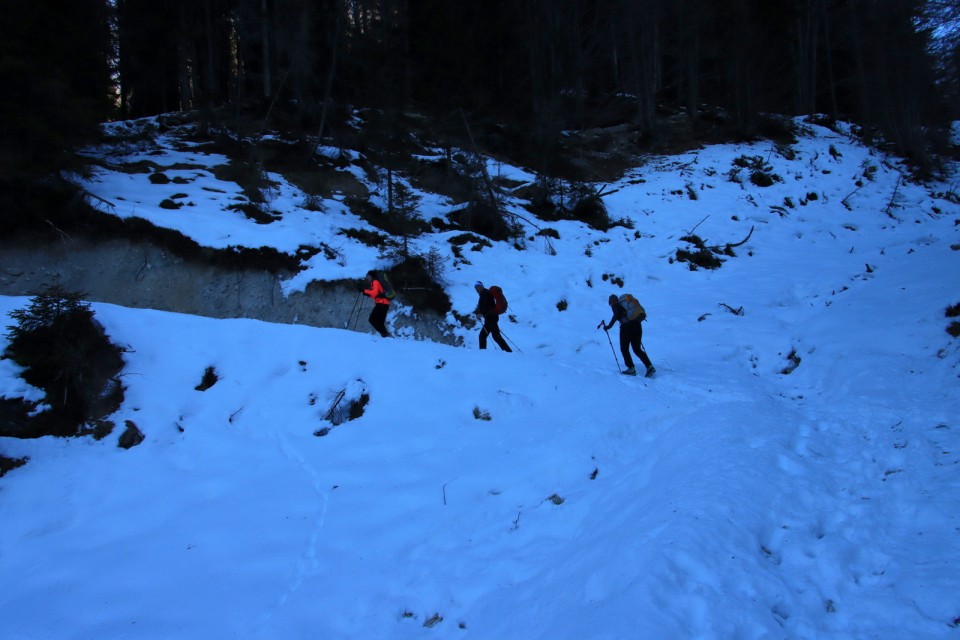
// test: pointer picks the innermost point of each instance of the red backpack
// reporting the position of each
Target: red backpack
(499, 300)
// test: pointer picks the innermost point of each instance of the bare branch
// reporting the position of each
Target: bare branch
(690, 233)
(731, 246)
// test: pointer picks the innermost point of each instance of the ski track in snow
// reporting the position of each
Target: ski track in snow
(308, 562)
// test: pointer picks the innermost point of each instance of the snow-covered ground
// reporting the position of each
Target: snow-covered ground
(537, 494)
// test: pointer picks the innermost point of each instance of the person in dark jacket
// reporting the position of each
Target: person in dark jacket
(486, 308)
(631, 336)
(378, 317)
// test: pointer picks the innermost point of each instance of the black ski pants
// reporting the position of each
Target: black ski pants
(491, 327)
(378, 319)
(631, 336)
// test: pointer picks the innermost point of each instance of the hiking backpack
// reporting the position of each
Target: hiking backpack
(388, 291)
(499, 300)
(634, 309)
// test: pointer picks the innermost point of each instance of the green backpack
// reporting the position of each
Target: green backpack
(388, 291)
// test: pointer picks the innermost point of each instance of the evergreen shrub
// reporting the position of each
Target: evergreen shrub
(66, 353)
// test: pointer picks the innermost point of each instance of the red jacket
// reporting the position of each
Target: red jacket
(376, 292)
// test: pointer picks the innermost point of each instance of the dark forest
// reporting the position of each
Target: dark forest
(519, 73)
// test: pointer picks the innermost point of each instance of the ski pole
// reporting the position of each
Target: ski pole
(346, 325)
(359, 311)
(615, 358)
(507, 338)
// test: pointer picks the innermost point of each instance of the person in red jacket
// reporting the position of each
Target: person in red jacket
(378, 317)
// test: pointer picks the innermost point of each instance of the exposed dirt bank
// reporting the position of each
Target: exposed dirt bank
(145, 276)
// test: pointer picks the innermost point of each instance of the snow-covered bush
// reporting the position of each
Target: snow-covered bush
(66, 353)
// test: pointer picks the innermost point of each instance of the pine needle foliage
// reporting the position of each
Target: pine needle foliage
(66, 353)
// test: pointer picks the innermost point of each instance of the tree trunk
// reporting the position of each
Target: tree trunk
(265, 43)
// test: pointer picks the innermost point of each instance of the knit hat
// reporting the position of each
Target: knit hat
(478, 284)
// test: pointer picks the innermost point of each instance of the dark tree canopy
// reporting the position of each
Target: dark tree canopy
(55, 72)
(536, 67)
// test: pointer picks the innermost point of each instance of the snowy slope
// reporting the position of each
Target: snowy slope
(538, 494)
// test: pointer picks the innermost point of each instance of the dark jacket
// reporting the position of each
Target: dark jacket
(486, 303)
(619, 314)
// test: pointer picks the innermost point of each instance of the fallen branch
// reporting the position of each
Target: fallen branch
(684, 167)
(781, 211)
(334, 406)
(87, 194)
(894, 199)
(729, 246)
(844, 201)
(66, 236)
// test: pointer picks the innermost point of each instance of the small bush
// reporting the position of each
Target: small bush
(167, 203)
(66, 353)
(356, 407)
(480, 414)
(8, 464)
(485, 219)
(158, 177)
(419, 280)
(780, 129)
(131, 436)
(209, 379)
(700, 256)
(253, 210)
(543, 196)
(365, 236)
(793, 362)
(954, 329)
(760, 171)
(613, 279)
(313, 202)
(592, 211)
(459, 241)
(763, 179)
(464, 238)
(249, 175)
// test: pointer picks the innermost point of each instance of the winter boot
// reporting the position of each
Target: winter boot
(650, 372)
(630, 372)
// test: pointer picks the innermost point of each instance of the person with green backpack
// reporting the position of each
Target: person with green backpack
(381, 299)
(630, 313)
